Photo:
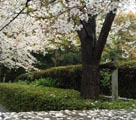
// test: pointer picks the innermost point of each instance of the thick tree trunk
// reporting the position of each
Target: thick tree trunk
(90, 82)
(91, 54)
(90, 75)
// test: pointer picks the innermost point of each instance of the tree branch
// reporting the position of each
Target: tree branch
(26, 5)
(104, 34)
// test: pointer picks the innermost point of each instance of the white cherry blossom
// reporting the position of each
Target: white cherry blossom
(41, 22)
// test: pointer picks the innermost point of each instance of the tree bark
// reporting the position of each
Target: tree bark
(90, 82)
(91, 54)
(90, 75)
(104, 33)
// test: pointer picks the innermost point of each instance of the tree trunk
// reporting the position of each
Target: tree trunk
(90, 75)
(91, 54)
(90, 82)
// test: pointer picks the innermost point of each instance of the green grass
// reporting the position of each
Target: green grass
(18, 97)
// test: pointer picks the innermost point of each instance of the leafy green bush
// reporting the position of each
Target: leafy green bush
(17, 97)
(67, 76)
(105, 82)
(46, 82)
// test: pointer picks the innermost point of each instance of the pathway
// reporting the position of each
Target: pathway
(71, 115)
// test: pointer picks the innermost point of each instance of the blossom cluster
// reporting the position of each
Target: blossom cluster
(43, 22)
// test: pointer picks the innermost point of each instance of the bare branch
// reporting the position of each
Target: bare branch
(104, 33)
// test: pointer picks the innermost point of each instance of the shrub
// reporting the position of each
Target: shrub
(67, 76)
(17, 97)
(127, 82)
(105, 82)
(46, 82)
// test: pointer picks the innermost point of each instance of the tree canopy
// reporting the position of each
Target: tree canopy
(33, 24)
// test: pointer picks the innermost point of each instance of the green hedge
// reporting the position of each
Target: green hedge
(127, 82)
(17, 97)
(67, 76)
(70, 77)
(127, 78)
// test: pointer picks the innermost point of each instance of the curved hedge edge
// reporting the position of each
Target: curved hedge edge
(39, 74)
(19, 98)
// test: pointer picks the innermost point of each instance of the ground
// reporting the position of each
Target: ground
(71, 115)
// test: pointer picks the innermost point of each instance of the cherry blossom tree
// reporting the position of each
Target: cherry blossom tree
(62, 17)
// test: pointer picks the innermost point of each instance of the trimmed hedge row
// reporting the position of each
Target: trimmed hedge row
(67, 76)
(127, 82)
(70, 77)
(17, 97)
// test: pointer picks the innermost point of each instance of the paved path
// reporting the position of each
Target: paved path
(71, 115)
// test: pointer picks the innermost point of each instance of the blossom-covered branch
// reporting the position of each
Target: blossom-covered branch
(26, 5)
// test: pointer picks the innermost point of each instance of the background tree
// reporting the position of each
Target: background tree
(65, 52)
(122, 39)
